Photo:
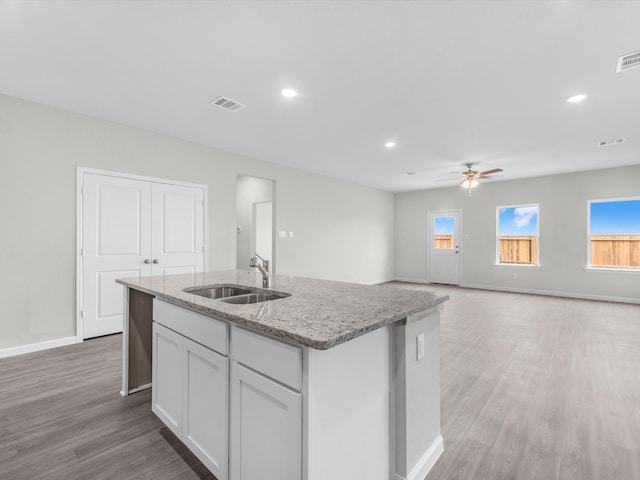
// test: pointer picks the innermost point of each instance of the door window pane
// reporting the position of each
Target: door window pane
(444, 237)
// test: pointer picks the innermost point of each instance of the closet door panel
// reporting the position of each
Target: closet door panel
(116, 229)
(178, 229)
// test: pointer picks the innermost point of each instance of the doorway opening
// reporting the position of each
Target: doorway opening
(255, 220)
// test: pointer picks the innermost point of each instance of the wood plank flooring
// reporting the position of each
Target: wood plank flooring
(532, 388)
(538, 387)
(62, 418)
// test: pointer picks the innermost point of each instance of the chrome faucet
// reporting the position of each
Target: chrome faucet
(264, 269)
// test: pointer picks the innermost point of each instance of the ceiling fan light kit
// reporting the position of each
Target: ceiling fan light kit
(469, 183)
(470, 177)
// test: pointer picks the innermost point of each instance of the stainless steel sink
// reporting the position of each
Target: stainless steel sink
(221, 291)
(254, 298)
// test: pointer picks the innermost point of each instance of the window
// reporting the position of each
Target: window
(614, 233)
(517, 242)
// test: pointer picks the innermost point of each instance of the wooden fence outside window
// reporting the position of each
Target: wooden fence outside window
(443, 241)
(614, 251)
(617, 251)
(520, 250)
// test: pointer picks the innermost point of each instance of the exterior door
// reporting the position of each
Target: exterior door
(116, 240)
(444, 247)
(133, 228)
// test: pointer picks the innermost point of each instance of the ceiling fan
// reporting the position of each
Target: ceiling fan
(470, 177)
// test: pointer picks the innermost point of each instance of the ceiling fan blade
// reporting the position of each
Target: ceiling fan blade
(446, 179)
(489, 172)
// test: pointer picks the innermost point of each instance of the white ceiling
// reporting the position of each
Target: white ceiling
(451, 82)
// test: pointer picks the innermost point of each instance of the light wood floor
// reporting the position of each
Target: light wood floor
(532, 388)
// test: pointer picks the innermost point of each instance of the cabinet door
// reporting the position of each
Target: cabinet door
(166, 395)
(205, 426)
(266, 428)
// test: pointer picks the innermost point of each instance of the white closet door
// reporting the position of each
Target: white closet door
(116, 216)
(178, 229)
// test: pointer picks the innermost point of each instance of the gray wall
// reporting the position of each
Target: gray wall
(563, 233)
(342, 231)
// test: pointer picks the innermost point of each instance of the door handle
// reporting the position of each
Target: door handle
(155, 260)
(147, 261)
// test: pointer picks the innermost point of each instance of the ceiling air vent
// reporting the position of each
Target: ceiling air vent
(227, 104)
(613, 141)
(627, 62)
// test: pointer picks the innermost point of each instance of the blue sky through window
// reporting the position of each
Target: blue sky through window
(621, 217)
(518, 221)
(444, 225)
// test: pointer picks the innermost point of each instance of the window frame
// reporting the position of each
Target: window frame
(590, 267)
(537, 236)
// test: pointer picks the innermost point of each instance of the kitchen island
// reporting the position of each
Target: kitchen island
(328, 380)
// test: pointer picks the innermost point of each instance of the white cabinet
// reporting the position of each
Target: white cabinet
(266, 408)
(243, 420)
(166, 395)
(205, 401)
(190, 392)
(266, 428)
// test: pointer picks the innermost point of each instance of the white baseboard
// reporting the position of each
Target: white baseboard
(411, 280)
(551, 293)
(426, 462)
(36, 347)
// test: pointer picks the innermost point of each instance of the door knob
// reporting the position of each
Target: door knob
(147, 261)
(155, 260)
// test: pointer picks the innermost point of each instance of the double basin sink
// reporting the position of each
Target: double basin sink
(238, 295)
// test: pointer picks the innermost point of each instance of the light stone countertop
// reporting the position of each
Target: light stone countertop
(319, 313)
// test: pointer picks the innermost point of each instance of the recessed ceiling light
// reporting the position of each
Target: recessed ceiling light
(289, 93)
(577, 98)
(390, 144)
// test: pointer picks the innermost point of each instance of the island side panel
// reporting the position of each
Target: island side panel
(348, 408)
(140, 321)
(417, 396)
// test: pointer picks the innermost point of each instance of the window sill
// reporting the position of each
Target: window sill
(612, 269)
(517, 265)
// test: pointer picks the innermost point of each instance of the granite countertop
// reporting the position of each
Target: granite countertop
(319, 313)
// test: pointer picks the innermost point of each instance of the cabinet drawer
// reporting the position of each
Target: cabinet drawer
(275, 359)
(205, 330)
